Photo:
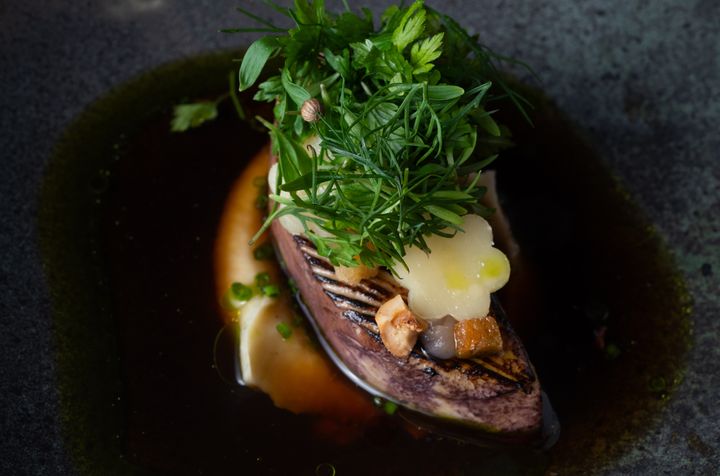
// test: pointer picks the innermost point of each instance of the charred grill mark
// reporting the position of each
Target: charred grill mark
(476, 368)
(302, 241)
(322, 278)
(478, 365)
(471, 370)
(512, 367)
(520, 381)
(318, 262)
(378, 293)
(309, 249)
(481, 370)
(375, 335)
(381, 287)
(360, 303)
(324, 272)
(340, 288)
(310, 254)
(386, 284)
(366, 322)
(345, 302)
(370, 292)
(371, 287)
(361, 318)
(353, 295)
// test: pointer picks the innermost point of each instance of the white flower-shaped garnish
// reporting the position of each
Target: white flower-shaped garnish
(459, 274)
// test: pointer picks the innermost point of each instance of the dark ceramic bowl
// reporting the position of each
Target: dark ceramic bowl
(640, 80)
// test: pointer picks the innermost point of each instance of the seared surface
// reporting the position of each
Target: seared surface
(499, 393)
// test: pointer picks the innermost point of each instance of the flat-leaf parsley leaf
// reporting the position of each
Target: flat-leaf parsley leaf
(405, 130)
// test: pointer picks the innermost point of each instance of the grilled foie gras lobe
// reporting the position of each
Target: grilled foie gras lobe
(499, 394)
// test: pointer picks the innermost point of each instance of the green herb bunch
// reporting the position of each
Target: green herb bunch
(404, 121)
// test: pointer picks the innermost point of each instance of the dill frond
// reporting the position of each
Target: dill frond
(403, 112)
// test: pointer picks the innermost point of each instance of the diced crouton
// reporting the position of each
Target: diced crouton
(353, 275)
(399, 327)
(479, 336)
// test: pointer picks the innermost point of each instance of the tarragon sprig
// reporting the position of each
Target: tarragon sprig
(405, 128)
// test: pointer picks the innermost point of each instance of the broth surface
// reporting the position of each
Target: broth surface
(128, 219)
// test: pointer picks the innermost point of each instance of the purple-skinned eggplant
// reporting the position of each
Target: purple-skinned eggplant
(491, 400)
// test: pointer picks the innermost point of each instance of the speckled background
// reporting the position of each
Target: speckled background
(642, 77)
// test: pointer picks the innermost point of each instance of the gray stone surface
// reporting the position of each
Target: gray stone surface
(643, 77)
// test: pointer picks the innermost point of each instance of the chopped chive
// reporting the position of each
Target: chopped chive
(261, 201)
(229, 302)
(390, 407)
(612, 351)
(284, 330)
(387, 406)
(270, 290)
(236, 296)
(264, 252)
(241, 292)
(293, 286)
(262, 279)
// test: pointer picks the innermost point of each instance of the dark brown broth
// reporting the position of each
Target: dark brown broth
(129, 216)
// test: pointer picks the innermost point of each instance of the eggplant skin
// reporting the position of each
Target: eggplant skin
(498, 395)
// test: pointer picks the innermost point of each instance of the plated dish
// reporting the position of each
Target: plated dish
(120, 195)
(379, 209)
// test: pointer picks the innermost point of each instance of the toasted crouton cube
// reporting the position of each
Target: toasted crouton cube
(479, 336)
(399, 327)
